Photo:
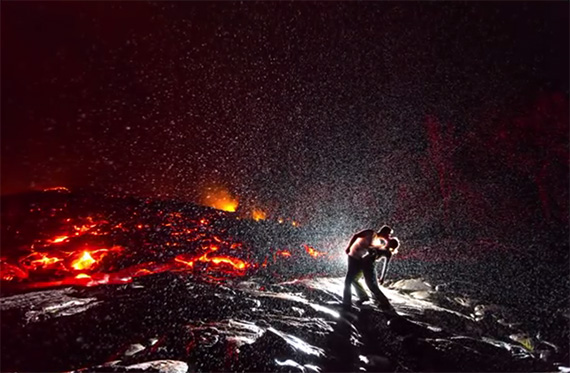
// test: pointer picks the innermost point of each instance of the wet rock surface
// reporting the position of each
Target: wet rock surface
(174, 322)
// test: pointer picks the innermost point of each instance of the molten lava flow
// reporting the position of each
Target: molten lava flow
(79, 230)
(46, 261)
(142, 272)
(189, 263)
(258, 215)
(84, 262)
(312, 252)
(11, 272)
(234, 262)
(59, 239)
(89, 258)
(221, 199)
(37, 260)
(237, 266)
(69, 250)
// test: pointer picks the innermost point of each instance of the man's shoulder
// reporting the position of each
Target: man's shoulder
(366, 232)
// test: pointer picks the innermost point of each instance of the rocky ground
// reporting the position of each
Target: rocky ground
(93, 283)
(175, 322)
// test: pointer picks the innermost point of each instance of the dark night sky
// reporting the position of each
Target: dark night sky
(300, 106)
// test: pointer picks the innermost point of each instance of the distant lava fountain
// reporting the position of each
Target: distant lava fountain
(220, 198)
(258, 214)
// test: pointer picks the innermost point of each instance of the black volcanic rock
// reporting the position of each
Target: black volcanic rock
(281, 314)
(239, 325)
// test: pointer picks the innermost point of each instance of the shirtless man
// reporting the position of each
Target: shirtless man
(364, 248)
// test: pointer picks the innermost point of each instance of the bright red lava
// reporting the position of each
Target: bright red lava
(81, 252)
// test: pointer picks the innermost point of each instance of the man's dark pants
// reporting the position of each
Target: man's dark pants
(356, 269)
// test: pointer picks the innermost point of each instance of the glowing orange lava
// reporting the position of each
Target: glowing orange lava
(39, 260)
(85, 262)
(46, 261)
(11, 272)
(312, 252)
(59, 239)
(220, 198)
(57, 189)
(84, 228)
(72, 252)
(234, 262)
(189, 263)
(258, 215)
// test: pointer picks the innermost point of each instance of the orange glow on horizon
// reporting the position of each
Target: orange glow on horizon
(221, 199)
(258, 215)
(57, 189)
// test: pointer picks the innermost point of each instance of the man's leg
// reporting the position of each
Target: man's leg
(354, 269)
(362, 296)
(370, 277)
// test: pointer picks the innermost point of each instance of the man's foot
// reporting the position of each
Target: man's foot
(348, 307)
(360, 301)
(385, 307)
(388, 309)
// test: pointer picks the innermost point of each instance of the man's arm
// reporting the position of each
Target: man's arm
(387, 255)
(363, 233)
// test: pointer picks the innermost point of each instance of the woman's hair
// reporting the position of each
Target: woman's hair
(385, 232)
(393, 243)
